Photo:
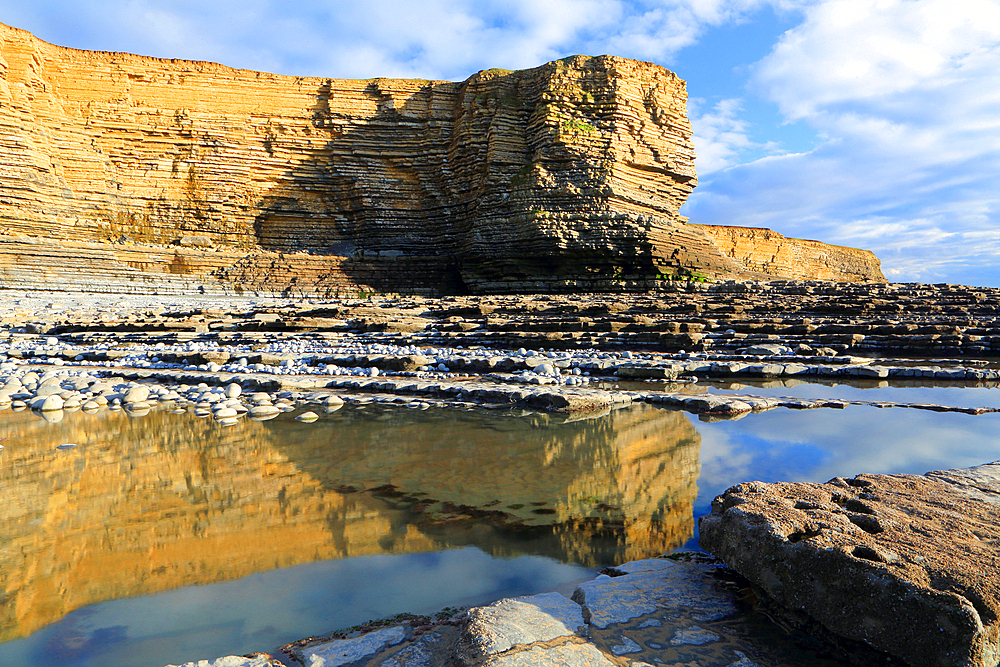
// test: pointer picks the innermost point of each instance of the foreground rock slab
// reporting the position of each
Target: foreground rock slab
(907, 564)
(643, 613)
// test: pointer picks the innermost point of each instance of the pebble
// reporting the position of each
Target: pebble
(307, 417)
(47, 403)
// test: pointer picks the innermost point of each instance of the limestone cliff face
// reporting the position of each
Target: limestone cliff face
(567, 176)
(768, 252)
(147, 505)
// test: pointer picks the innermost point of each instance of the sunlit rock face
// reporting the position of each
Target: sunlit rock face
(768, 252)
(150, 504)
(565, 177)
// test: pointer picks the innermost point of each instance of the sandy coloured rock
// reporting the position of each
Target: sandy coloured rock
(566, 177)
(906, 564)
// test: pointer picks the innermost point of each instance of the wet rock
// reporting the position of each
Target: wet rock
(563, 655)
(254, 660)
(48, 403)
(514, 622)
(346, 651)
(650, 585)
(907, 564)
(136, 394)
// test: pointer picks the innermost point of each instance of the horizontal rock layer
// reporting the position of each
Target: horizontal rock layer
(564, 177)
(907, 564)
(771, 253)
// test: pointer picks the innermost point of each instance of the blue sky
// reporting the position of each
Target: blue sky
(867, 123)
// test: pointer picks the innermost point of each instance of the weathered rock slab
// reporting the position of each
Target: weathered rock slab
(908, 564)
(650, 585)
(257, 660)
(346, 651)
(564, 655)
(518, 622)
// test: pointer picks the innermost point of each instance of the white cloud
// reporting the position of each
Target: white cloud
(721, 137)
(909, 93)
(431, 39)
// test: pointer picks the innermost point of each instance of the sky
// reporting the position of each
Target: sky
(865, 123)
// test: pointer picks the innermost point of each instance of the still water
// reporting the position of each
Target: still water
(168, 538)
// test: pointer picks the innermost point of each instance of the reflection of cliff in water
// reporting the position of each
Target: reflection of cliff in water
(146, 505)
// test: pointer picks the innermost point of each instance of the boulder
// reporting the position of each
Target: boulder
(907, 564)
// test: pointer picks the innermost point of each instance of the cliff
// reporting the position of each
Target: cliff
(769, 252)
(565, 177)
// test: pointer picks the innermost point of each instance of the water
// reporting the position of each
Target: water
(168, 538)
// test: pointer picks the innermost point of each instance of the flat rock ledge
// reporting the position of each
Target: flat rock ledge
(907, 564)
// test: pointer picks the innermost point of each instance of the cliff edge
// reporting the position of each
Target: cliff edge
(565, 177)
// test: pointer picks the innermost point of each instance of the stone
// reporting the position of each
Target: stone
(307, 417)
(907, 564)
(563, 655)
(512, 622)
(346, 651)
(256, 660)
(195, 241)
(48, 403)
(627, 646)
(694, 635)
(715, 404)
(767, 350)
(136, 394)
(422, 652)
(233, 390)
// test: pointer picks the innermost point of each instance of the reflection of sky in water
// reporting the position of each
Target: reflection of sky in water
(817, 445)
(268, 609)
(957, 396)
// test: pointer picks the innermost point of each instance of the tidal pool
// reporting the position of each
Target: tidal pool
(169, 538)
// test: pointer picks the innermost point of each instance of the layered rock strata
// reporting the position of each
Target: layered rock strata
(809, 319)
(565, 177)
(768, 252)
(907, 564)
